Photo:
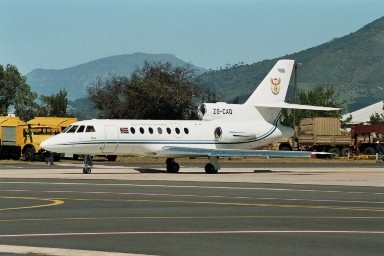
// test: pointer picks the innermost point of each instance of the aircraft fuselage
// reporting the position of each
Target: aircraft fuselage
(148, 137)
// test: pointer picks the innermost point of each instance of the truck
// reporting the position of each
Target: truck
(19, 139)
(42, 128)
(365, 136)
(10, 142)
(324, 134)
(57, 124)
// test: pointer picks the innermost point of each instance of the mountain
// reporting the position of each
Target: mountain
(353, 64)
(76, 79)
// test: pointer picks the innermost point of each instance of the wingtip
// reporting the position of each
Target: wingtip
(321, 155)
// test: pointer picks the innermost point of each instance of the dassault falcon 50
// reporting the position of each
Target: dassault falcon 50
(225, 130)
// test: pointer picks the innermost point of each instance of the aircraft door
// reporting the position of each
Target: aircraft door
(111, 139)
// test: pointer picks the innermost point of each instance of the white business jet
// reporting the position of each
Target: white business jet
(225, 130)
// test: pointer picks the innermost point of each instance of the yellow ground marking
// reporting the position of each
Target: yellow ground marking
(54, 202)
(327, 207)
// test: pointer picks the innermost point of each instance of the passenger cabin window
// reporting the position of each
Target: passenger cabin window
(177, 130)
(133, 130)
(159, 130)
(168, 130)
(72, 129)
(150, 130)
(186, 131)
(141, 130)
(81, 128)
(90, 128)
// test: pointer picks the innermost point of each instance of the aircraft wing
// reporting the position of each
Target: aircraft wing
(294, 106)
(194, 152)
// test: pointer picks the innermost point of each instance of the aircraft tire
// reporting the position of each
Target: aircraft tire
(173, 167)
(210, 168)
(87, 170)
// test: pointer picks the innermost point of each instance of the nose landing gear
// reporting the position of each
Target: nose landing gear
(87, 163)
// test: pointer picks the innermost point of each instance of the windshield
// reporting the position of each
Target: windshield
(72, 129)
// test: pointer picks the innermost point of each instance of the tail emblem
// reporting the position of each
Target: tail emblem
(275, 87)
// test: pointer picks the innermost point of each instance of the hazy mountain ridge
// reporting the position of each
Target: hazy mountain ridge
(76, 79)
(352, 63)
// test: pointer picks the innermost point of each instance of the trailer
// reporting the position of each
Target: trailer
(365, 136)
(324, 134)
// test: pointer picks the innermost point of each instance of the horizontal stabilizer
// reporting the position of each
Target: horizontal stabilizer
(292, 106)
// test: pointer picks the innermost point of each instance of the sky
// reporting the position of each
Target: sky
(57, 34)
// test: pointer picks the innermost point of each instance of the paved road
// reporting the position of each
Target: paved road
(143, 210)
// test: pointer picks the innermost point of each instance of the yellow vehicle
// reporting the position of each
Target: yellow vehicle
(19, 138)
(41, 129)
(11, 137)
(57, 124)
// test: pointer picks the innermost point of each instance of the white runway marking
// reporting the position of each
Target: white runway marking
(58, 251)
(231, 232)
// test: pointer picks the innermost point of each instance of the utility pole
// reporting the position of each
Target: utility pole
(295, 145)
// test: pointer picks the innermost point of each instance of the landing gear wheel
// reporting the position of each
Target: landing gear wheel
(173, 167)
(87, 170)
(210, 168)
(87, 163)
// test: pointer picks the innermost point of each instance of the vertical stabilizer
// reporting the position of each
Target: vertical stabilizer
(274, 86)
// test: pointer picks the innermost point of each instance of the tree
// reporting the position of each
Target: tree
(318, 96)
(24, 102)
(376, 118)
(54, 105)
(156, 91)
(14, 90)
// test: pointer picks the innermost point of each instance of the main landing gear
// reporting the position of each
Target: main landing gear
(87, 164)
(172, 166)
(210, 168)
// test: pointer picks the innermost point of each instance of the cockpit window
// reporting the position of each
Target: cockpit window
(90, 128)
(81, 128)
(66, 129)
(72, 129)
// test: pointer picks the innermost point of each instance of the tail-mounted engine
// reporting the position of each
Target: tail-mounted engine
(234, 133)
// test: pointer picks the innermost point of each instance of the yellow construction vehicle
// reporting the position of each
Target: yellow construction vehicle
(11, 137)
(57, 124)
(42, 128)
(23, 139)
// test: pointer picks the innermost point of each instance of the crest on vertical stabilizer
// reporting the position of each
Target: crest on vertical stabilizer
(275, 85)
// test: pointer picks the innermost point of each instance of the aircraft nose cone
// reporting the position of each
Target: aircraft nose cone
(45, 145)
(48, 144)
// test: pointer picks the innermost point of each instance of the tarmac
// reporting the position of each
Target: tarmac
(143, 174)
(344, 172)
